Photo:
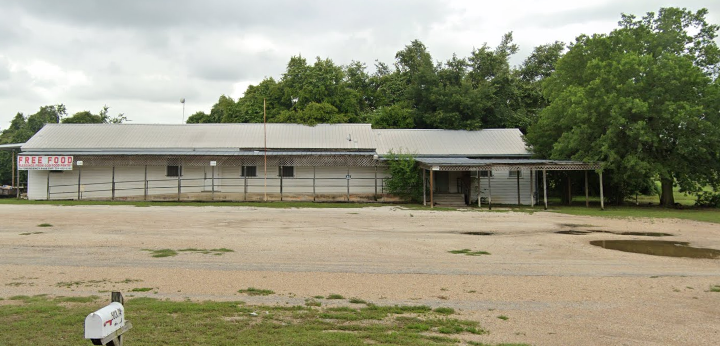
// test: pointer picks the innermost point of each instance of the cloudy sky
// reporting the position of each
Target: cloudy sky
(140, 57)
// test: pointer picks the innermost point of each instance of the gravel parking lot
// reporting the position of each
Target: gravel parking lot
(554, 289)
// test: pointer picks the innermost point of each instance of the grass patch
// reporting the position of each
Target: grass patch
(231, 323)
(89, 299)
(468, 252)
(503, 317)
(696, 214)
(312, 302)
(44, 225)
(334, 296)
(715, 288)
(142, 289)
(162, 252)
(252, 291)
(216, 252)
(29, 233)
(357, 301)
(445, 311)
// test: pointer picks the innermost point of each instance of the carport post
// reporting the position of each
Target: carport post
(479, 187)
(602, 198)
(490, 189)
(587, 194)
(424, 187)
(545, 187)
(112, 186)
(212, 179)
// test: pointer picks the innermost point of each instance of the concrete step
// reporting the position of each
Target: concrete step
(453, 200)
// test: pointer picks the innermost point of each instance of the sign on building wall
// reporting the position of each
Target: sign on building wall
(55, 163)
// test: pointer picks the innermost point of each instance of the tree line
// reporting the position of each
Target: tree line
(643, 99)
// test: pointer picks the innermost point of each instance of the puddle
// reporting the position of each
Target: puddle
(641, 234)
(573, 232)
(477, 233)
(647, 234)
(658, 248)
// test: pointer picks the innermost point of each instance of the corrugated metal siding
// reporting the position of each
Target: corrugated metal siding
(203, 136)
(496, 142)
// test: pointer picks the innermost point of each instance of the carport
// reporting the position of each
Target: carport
(533, 165)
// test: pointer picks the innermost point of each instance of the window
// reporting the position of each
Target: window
(173, 171)
(248, 171)
(286, 171)
(516, 174)
(485, 174)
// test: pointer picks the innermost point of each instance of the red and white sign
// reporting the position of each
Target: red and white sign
(55, 163)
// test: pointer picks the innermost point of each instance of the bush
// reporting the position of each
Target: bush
(708, 199)
(406, 176)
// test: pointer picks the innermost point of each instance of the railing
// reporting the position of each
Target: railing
(237, 186)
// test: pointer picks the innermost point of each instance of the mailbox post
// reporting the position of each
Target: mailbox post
(106, 326)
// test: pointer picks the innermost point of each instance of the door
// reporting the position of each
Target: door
(442, 182)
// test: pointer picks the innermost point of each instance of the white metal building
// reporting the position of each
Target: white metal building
(340, 162)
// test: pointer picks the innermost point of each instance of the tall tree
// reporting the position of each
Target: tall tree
(642, 99)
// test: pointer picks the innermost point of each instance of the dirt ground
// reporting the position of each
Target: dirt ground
(555, 289)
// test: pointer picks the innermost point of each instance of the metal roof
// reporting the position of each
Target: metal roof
(61, 137)
(489, 142)
(231, 139)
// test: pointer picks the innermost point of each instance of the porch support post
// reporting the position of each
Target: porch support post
(245, 185)
(12, 170)
(518, 185)
(432, 202)
(145, 190)
(490, 174)
(545, 188)
(602, 198)
(347, 181)
(376, 196)
(424, 188)
(113, 183)
(532, 194)
(79, 180)
(179, 184)
(48, 185)
(314, 184)
(17, 190)
(587, 194)
(479, 188)
(281, 182)
(213, 183)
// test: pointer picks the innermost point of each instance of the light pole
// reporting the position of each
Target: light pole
(182, 100)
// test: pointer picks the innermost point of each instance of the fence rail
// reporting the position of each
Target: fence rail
(244, 186)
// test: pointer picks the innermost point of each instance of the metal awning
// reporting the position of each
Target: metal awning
(12, 146)
(469, 164)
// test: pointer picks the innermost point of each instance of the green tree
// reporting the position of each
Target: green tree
(642, 99)
(85, 117)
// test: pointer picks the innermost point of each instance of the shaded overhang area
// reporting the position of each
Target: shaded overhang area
(431, 164)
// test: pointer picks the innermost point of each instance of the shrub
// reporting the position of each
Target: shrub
(406, 176)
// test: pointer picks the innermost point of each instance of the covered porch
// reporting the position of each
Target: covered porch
(517, 181)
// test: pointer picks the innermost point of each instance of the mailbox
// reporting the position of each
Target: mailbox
(108, 321)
